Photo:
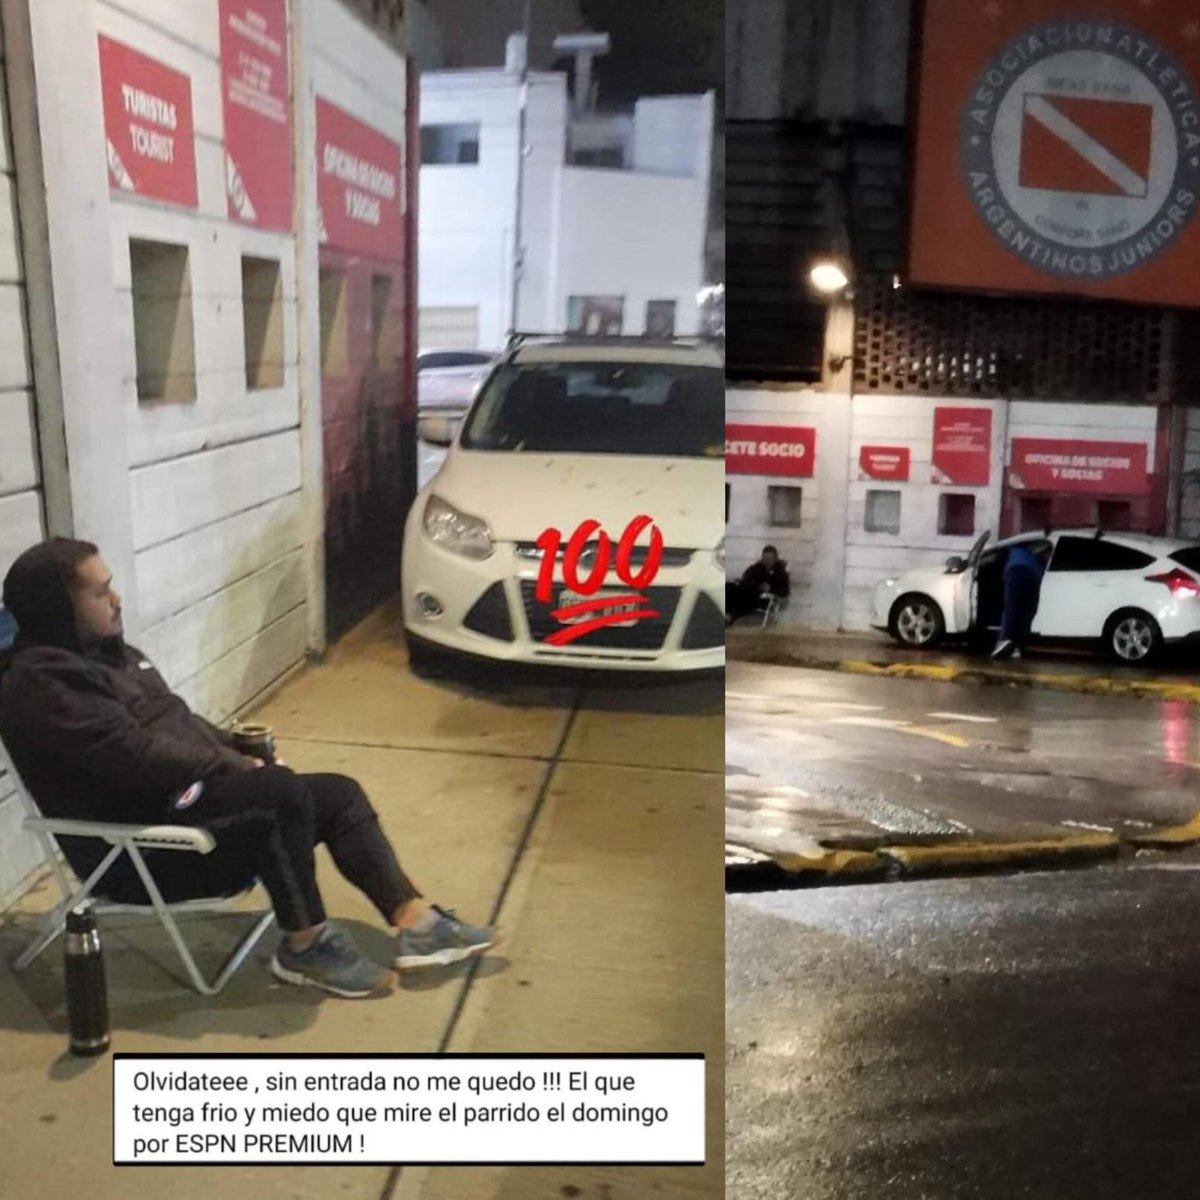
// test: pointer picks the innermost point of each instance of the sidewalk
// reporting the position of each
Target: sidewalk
(582, 826)
(1067, 670)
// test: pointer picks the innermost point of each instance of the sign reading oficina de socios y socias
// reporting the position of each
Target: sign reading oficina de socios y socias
(358, 185)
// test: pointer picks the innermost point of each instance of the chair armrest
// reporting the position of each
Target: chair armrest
(153, 837)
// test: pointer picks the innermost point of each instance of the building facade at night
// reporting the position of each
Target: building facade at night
(613, 209)
(891, 425)
(207, 281)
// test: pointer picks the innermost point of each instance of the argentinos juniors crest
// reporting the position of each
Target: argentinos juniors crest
(1062, 150)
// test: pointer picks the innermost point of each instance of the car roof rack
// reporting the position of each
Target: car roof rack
(519, 337)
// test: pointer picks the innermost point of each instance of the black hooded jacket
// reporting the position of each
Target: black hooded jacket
(95, 732)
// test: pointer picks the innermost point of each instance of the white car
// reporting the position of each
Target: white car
(568, 431)
(1131, 593)
(450, 379)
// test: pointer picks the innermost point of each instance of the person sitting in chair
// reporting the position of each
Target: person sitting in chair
(759, 582)
(96, 734)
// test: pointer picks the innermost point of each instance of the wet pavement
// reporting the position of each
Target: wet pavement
(1030, 1037)
(1064, 664)
(844, 760)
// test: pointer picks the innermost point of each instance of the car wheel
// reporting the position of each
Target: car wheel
(1133, 637)
(917, 621)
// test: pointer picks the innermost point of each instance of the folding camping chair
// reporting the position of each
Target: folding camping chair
(774, 606)
(130, 840)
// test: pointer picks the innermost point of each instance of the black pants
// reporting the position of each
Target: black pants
(267, 823)
(741, 599)
(1022, 590)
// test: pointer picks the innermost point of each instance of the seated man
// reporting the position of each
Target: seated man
(97, 735)
(761, 580)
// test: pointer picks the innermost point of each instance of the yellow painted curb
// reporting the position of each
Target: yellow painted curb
(1173, 835)
(968, 854)
(1159, 689)
(936, 671)
(831, 862)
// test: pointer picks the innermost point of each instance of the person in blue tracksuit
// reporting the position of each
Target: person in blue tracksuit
(1023, 570)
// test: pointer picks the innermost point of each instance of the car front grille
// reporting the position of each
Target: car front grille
(706, 628)
(644, 635)
(673, 556)
(489, 615)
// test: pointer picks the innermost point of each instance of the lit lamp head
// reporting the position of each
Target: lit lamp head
(829, 277)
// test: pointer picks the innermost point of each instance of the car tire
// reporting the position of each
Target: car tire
(917, 622)
(1133, 637)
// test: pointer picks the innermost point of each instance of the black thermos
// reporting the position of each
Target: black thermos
(87, 992)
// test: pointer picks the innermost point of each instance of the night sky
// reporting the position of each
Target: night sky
(659, 46)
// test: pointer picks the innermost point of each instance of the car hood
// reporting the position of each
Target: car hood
(920, 579)
(521, 494)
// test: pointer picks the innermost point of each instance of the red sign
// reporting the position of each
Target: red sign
(1058, 152)
(770, 450)
(254, 94)
(358, 185)
(148, 124)
(962, 446)
(885, 462)
(1067, 465)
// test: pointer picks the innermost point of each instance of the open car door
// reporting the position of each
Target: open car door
(966, 587)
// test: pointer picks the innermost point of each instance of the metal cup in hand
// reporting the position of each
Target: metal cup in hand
(255, 741)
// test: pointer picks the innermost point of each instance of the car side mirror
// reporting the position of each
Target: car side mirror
(437, 431)
(955, 565)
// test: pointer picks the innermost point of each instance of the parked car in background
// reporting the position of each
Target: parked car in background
(449, 379)
(1131, 593)
(569, 430)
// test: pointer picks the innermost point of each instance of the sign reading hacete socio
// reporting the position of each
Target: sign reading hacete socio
(1058, 148)
(770, 450)
(148, 126)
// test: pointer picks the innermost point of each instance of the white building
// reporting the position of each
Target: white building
(613, 209)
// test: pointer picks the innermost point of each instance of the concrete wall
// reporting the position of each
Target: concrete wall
(907, 421)
(21, 515)
(215, 481)
(627, 234)
(816, 550)
(21, 522)
(835, 561)
(1189, 495)
(672, 135)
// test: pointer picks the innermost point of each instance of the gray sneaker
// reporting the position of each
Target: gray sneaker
(449, 941)
(332, 962)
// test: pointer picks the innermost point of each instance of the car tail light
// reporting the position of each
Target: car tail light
(1180, 582)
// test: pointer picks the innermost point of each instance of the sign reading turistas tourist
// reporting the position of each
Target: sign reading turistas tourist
(1058, 148)
(148, 126)
(254, 95)
(358, 185)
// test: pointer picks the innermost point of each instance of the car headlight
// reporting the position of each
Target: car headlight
(719, 554)
(456, 531)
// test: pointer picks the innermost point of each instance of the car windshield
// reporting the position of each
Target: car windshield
(644, 408)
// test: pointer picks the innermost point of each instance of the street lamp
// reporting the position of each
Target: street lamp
(829, 277)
